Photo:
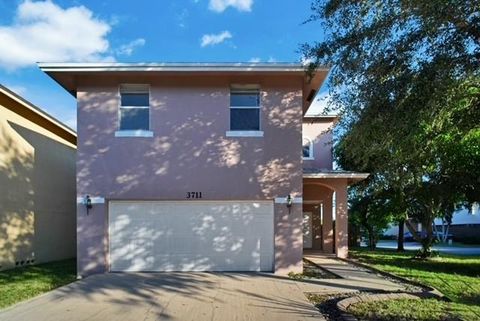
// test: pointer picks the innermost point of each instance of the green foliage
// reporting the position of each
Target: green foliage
(26, 282)
(456, 277)
(406, 79)
(369, 211)
(406, 310)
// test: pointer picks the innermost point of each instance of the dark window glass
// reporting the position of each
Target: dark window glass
(245, 99)
(306, 150)
(131, 99)
(134, 118)
(244, 119)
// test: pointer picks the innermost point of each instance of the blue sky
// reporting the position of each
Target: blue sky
(141, 31)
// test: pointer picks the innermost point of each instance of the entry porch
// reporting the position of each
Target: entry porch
(325, 210)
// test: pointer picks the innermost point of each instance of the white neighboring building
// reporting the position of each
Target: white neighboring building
(464, 217)
(465, 224)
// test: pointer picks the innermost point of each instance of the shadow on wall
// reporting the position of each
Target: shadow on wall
(288, 238)
(37, 197)
(219, 237)
(16, 200)
(189, 152)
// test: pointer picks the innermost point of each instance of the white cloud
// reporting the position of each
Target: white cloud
(271, 59)
(221, 5)
(182, 18)
(43, 31)
(215, 39)
(255, 60)
(127, 49)
(306, 61)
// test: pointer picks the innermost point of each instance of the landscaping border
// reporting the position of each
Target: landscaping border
(344, 304)
(423, 292)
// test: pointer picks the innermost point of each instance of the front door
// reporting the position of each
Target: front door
(307, 230)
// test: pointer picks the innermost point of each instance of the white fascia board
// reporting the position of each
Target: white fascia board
(336, 175)
(186, 67)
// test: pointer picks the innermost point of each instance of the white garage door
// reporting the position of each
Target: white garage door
(191, 236)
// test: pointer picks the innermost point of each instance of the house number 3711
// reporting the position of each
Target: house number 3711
(194, 195)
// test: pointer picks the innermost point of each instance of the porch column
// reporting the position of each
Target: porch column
(341, 222)
(327, 226)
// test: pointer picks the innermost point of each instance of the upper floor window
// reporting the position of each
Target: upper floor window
(134, 111)
(307, 148)
(245, 108)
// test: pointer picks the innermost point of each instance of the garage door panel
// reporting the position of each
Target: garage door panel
(191, 236)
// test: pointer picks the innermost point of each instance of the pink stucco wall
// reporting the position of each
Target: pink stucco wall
(319, 130)
(189, 152)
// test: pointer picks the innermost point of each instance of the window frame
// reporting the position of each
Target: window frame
(253, 88)
(133, 88)
(310, 148)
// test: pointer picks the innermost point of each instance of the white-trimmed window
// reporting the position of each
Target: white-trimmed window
(307, 148)
(134, 110)
(245, 110)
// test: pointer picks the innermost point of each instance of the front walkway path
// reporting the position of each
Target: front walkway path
(353, 278)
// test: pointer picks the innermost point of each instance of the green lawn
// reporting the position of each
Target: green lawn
(406, 310)
(23, 283)
(455, 276)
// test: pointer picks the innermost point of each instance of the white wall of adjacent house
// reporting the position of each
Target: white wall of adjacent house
(464, 216)
(460, 217)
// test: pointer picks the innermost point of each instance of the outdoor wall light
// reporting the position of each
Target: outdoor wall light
(289, 202)
(88, 202)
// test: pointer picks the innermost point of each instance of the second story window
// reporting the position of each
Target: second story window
(134, 111)
(307, 148)
(244, 108)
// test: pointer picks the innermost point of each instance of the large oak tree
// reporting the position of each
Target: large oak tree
(406, 79)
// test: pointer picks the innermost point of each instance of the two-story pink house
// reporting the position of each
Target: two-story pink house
(198, 167)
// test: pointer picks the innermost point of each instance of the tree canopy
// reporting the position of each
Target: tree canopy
(406, 79)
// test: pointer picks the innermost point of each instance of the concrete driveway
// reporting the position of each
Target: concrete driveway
(173, 296)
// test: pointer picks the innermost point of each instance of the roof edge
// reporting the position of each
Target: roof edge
(38, 111)
(142, 66)
(336, 175)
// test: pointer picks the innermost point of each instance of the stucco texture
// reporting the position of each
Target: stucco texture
(319, 132)
(37, 193)
(190, 151)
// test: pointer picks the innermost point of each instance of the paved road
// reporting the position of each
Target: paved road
(172, 296)
(474, 250)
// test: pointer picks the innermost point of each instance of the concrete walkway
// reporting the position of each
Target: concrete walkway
(353, 278)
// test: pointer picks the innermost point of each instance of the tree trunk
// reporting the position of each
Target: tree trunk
(427, 241)
(401, 232)
(371, 239)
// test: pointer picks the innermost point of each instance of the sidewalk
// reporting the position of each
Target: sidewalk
(353, 278)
